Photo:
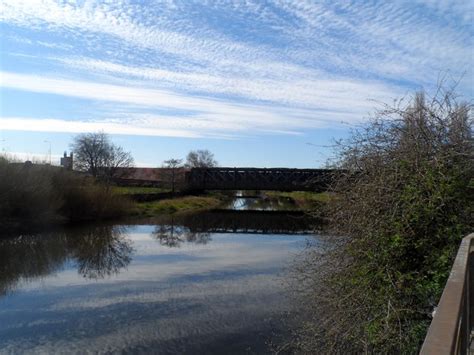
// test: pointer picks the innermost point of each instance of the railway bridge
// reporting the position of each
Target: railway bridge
(280, 179)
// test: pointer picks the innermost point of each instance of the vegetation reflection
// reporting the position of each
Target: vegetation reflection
(98, 252)
(173, 235)
(101, 252)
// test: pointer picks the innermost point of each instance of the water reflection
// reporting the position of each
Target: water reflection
(261, 203)
(101, 251)
(98, 252)
(26, 258)
(174, 286)
(229, 221)
(172, 235)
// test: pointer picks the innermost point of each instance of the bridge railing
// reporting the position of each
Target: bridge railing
(450, 330)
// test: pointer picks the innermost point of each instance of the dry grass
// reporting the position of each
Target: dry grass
(40, 195)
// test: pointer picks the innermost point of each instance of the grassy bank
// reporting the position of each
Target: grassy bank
(36, 196)
(134, 190)
(304, 200)
(175, 205)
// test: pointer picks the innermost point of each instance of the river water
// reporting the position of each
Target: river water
(206, 283)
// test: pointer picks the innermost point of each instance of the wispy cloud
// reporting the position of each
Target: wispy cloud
(57, 125)
(238, 67)
(302, 89)
(204, 116)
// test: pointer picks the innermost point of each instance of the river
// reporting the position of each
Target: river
(205, 283)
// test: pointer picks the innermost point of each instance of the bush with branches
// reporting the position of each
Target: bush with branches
(38, 195)
(402, 204)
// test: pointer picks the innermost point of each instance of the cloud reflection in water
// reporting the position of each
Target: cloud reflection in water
(132, 289)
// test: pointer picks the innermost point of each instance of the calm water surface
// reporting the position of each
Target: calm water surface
(174, 287)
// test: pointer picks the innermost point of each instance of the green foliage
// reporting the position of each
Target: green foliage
(302, 196)
(132, 190)
(180, 204)
(304, 200)
(403, 204)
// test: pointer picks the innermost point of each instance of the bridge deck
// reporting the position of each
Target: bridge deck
(282, 179)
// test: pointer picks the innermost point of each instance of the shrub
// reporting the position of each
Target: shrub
(27, 192)
(40, 194)
(85, 199)
(403, 204)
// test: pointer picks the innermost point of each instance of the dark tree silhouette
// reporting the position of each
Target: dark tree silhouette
(97, 155)
(171, 169)
(200, 159)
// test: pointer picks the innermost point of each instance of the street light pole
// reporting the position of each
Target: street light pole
(49, 151)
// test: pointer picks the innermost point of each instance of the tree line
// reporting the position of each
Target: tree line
(35, 195)
(97, 155)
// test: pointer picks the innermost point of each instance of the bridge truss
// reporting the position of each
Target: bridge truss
(281, 179)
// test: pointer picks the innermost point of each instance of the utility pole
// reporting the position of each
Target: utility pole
(49, 151)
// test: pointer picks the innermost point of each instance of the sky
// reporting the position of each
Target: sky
(258, 83)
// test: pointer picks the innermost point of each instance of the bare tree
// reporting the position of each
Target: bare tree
(116, 159)
(200, 159)
(96, 154)
(172, 167)
(89, 150)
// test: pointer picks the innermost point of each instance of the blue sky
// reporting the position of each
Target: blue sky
(252, 81)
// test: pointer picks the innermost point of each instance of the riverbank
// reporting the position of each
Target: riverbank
(302, 198)
(40, 195)
(177, 205)
(311, 202)
(297, 201)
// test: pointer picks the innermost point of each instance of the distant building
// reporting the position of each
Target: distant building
(159, 177)
(66, 161)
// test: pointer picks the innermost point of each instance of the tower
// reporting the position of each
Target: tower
(67, 161)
